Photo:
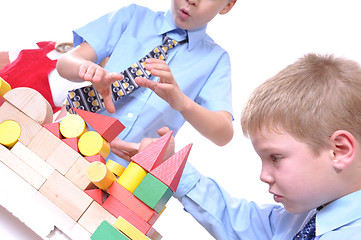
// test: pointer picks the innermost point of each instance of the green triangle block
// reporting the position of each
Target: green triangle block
(106, 231)
(153, 192)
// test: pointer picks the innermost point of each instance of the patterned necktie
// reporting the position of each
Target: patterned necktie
(308, 232)
(87, 98)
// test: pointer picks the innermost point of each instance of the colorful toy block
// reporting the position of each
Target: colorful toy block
(132, 176)
(153, 192)
(91, 143)
(9, 133)
(2, 100)
(100, 175)
(95, 158)
(4, 87)
(72, 142)
(106, 231)
(108, 127)
(97, 194)
(72, 126)
(54, 128)
(170, 171)
(153, 155)
(115, 167)
(128, 229)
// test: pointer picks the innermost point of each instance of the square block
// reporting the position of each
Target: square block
(106, 231)
(153, 192)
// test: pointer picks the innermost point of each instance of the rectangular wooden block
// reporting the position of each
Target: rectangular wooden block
(133, 203)
(94, 216)
(128, 229)
(44, 143)
(21, 168)
(77, 173)
(119, 209)
(106, 231)
(33, 160)
(72, 200)
(153, 192)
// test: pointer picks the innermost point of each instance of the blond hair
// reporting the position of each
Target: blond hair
(309, 99)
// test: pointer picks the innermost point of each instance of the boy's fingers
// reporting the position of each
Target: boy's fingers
(108, 103)
(143, 82)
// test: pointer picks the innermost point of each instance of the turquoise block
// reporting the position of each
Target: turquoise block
(153, 192)
(106, 231)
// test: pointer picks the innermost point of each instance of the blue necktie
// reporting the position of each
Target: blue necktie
(87, 98)
(308, 231)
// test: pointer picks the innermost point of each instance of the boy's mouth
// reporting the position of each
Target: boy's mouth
(184, 13)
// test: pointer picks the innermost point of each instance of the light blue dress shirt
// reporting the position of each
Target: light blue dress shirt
(227, 218)
(201, 68)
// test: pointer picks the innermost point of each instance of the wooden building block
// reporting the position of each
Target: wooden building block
(128, 229)
(77, 173)
(44, 143)
(153, 192)
(132, 176)
(2, 100)
(54, 128)
(95, 158)
(91, 143)
(9, 133)
(97, 194)
(21, 168)
(115, 167)
(72, 126)
(32, 103)
(170, 171)
(108, 127)
(94, 216)
(133, 203)
(100, 175)
(62, 158)
(72, 142)
(106, 231)
(153, 155)
(4, 87)
(32, 160)
(29, 127)
(117, 208)
(65, 195)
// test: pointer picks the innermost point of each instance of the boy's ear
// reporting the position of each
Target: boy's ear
(343, 147)
(228, 7)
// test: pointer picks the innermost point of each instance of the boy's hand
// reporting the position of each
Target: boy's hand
(167, 87)
(101, 80)
(126, 150)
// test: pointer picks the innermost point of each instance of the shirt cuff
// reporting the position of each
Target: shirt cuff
(189, 179)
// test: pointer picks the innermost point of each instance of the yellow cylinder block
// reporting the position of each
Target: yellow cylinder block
(4, 87)
(115, 167)
(9, 133)
(132, 176)
(92, 143)
(72, 126)
(100, 175)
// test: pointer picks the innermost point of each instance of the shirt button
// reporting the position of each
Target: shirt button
(130, 115)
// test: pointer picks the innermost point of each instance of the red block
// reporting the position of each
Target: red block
(97, 194)
(54, 128)
(133, 203)
(153, 155)
(72, 142)
(117, 208)
(2, 100)
(170, 171)
(108, 127)
(94, 158)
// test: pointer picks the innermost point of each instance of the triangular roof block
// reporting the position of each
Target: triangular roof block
(153, 155)
(170, 171)
(108, 127)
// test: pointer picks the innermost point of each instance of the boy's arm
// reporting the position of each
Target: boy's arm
(216, 126)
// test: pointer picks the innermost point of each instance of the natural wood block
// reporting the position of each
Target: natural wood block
(100, 175)
(33, 160)
(32, 103)
(44, 143)
(153, 192)
(77, 173)
(91, 143)
(133, 203)
(21, 168)
(94, 216)
(72, 126)
(62, 158)
(9, 133)
(106, 231)
(68, 197)
(132, 176)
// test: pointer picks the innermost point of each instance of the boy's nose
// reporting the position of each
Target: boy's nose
(266, 176)
(193, 2)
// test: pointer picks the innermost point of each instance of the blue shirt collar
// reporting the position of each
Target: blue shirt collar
(339, 213)
(194, 35)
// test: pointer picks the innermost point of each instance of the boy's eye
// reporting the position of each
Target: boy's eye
(275, 158)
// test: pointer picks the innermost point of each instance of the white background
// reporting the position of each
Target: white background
(261, 36)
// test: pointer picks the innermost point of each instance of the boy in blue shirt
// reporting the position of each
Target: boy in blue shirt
(194, 82)
(305, 125)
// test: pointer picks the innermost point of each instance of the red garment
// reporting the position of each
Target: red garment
(31, 69)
